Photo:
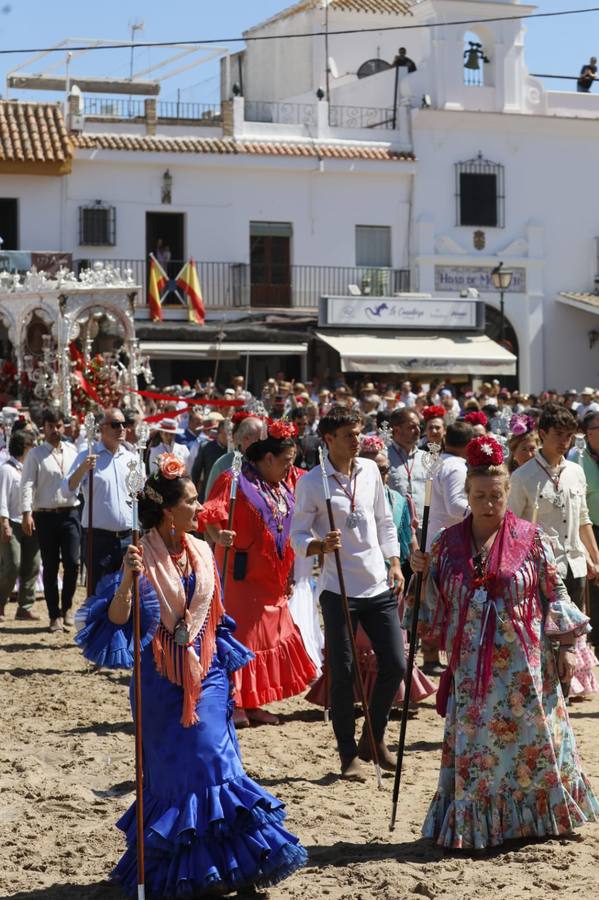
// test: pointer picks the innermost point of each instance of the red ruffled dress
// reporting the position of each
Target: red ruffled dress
(259, 603)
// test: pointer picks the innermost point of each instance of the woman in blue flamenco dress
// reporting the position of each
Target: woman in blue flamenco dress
(209, 830)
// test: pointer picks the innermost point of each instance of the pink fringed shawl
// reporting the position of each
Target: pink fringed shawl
(182, 665)
(516, 548)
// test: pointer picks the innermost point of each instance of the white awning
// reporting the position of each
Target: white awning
(586, 302)
(458, 354)
(197, 350)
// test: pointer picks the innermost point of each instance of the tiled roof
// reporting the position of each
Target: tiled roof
(228, 146)
(33, 133)
(386, 7)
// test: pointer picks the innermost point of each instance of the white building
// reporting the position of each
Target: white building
(330, 171)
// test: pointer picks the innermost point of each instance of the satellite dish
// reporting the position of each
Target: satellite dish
(334, 71)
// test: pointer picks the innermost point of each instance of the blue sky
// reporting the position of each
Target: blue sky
(557, 45)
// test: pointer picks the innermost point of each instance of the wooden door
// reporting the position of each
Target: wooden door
(270, 270)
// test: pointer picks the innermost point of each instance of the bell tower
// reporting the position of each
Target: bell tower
(478, 65)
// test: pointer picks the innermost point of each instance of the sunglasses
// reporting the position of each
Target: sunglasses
(115, 425)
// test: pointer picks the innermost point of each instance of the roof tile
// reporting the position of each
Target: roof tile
(33, 132)
(228, 146)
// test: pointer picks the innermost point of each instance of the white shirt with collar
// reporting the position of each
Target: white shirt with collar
(449, 503)
(112, 504)
(179, 450)
(43, 472)
(562, 509)
(365, 547)
(10, 489)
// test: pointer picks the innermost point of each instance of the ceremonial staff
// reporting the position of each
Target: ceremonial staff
(581, 444)
(236, 469)
(90, 431)
(431, 463)
(348, 622)
(135, 483)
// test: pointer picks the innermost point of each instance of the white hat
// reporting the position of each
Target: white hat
(587, 392)
(168, 425)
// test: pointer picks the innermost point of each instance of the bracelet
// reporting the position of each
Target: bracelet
(122, 596)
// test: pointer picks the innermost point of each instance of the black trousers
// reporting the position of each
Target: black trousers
(59, 537)
(379, 618)
(107, 554)
(575, 588)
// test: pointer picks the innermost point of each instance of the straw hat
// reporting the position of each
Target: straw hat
(168, 425)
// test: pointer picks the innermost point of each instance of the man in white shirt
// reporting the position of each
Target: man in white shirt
(111, 525)
(562, 506)
(365, 536)
(449, 503)
(19, 554)
(53, 516)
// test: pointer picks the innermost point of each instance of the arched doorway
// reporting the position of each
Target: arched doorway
(493, 330)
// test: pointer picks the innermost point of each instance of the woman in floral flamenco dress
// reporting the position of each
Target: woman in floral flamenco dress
(208, 828)
(258, 580)
(509, 766)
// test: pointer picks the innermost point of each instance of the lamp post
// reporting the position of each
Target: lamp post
(502, 280)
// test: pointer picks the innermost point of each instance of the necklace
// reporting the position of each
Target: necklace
(558, 496)
(277, 502)
(355, 515)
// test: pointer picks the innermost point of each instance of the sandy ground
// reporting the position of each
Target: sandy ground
(66, 764)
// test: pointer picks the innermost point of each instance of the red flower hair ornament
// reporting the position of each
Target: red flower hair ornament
(483, 452)
(281, 430)
(433, 412)
(372, 443)
(476, 418)
(170, 466)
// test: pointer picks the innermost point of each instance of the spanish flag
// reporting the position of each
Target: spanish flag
(188, 281)
(157, 282)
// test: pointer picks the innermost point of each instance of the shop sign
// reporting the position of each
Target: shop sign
(460, 278)
(401, 312)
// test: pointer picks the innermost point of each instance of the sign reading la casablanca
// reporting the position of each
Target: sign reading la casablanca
(401, 312)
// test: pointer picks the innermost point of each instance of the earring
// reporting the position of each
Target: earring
(172, 528)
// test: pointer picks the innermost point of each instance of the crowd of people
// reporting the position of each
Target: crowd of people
(236, 560)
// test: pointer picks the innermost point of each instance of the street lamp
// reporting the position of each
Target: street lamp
(502, 280)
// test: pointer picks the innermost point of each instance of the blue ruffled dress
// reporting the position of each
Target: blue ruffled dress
(207, 826)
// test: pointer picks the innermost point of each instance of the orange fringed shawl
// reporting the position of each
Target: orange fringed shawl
(181, 664)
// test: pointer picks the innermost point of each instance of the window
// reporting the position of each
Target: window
(371, 67)
(480, 196)
(373, 245)
(97, 224)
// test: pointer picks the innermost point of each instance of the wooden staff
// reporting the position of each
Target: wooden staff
(236, 469)
(135, 483)
(90, 429)
(431, 464)
(349, 624)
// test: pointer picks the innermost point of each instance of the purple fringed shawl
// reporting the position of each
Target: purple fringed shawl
(516, 548)
(253, 489)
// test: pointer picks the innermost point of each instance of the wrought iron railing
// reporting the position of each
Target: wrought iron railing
(227, 285)
(361, 117)
(280, 113)
(134, 108)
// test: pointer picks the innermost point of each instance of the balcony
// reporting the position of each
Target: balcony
(138, 111)
(306, 114)
(227, 285)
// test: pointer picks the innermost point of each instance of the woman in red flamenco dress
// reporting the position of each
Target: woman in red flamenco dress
(259, 570)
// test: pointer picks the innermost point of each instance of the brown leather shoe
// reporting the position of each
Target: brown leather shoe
(2, 612)
(27, 615)
(386, 760)
(352, 769)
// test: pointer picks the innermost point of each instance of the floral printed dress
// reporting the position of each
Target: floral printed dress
(509, 765)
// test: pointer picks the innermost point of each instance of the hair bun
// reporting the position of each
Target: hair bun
(483, 452)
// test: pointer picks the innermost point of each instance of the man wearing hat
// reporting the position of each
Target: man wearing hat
(571, 400)
(168, 430)
(587, 403)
